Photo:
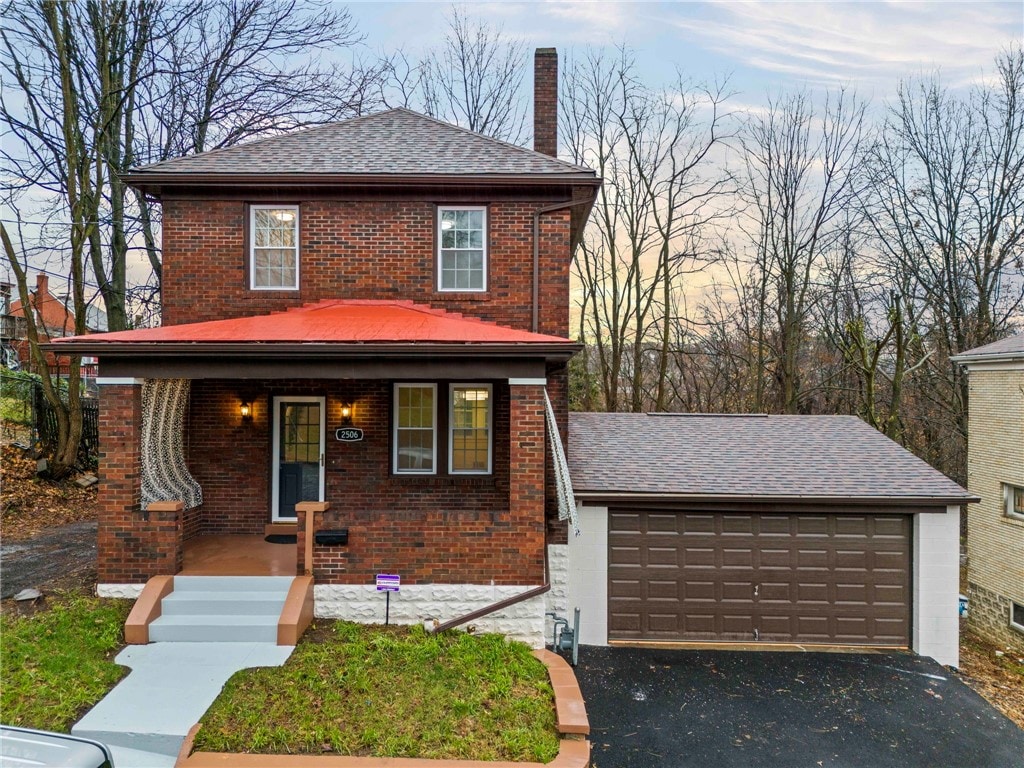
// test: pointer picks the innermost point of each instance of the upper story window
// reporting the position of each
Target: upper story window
(462, 248)
(1014, 495)
(274, 249)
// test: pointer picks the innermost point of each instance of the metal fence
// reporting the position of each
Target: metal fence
(25, 404)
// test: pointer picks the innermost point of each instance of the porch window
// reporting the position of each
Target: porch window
(469, 430)
(274, 249)
(415, 429)
(462, 248)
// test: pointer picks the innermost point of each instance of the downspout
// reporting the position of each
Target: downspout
(536, 249)
(501, 604)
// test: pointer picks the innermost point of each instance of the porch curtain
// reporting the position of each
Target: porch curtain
(563, 484)
(165, 476)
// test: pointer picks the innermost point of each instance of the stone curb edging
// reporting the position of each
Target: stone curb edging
(571, 721)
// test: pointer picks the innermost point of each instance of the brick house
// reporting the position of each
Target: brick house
(365, 329)
(995, 471)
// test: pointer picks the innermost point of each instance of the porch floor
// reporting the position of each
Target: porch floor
(237, 555)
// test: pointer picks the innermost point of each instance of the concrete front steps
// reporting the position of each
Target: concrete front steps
(221, 609)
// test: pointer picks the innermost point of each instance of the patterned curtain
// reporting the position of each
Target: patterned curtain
(563, 484)
(165, 477)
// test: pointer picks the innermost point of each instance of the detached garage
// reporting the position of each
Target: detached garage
(809, 530)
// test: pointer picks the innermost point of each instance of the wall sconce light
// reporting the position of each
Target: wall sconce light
(246, 410)
(346, 414)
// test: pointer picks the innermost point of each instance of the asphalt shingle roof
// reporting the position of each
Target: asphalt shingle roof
(810, 457)
(1010, 346)
(395, 142)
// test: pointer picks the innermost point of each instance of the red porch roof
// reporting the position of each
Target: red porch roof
(333, 321)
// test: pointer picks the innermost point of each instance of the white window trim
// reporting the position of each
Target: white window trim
(490, 429)
(1008, 491)
(394, 429)
(440, 210)
(252, 247)
(1013, 624)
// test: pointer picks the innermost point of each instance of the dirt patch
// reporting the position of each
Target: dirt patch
(61, 558)
(29, 504)
(1000, 679)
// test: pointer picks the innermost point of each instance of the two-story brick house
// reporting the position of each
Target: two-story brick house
(374, 315)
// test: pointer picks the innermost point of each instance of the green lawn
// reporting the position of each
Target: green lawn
(390, 692)
(56, 664)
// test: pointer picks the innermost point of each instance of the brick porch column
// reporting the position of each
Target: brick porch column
(132, 544)
(527, 448)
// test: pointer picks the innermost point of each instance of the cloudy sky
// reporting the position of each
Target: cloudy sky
(762, 45)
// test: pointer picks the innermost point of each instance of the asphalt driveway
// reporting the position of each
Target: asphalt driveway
(715, 709)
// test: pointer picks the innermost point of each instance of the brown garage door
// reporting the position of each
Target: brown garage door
(722, 577)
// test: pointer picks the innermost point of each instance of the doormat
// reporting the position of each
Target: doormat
(280, 538)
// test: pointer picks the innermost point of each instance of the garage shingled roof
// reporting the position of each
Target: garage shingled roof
(839, 458)
(397, 142)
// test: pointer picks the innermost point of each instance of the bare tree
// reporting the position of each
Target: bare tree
(652, 149)
(945, 201)
(800, 179)
(474, 79)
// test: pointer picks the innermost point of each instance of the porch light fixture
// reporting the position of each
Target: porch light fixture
(346, 414)
(246, 410)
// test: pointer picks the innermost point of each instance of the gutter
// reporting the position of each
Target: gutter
(288, 350)
(536, 247)
(747, 498)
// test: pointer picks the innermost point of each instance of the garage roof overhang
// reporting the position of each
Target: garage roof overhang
(769, 504)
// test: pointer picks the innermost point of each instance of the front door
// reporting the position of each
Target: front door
(298, 465)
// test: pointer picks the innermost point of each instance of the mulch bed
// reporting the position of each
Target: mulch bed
(29, 504)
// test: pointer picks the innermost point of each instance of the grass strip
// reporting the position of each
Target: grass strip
(378, 691)
(58, 662)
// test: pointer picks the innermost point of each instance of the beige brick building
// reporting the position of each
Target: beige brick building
(995, 461)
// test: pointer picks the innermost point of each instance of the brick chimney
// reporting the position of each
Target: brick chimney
(545, 101)
(42, 286)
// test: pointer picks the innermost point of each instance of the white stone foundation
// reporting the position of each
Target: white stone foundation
(419, 603)
(128, 591)
(556, 600)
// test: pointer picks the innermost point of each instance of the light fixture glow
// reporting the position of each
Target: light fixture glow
(447, 224)
(346, 413)
(285, 216)
(246, 410)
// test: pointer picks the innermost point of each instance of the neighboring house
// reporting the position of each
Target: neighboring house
(53, 321)
(374, 314)
(995, 472)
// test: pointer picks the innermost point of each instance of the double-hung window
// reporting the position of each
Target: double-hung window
(462, 248)
(469, 429)
(274, 247)
(463, 428)
(415, 442)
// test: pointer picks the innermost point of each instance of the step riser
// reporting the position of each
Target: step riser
(199, 607)
(272, 584)
(212, 633)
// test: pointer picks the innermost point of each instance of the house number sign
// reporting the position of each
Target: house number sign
(348, 434)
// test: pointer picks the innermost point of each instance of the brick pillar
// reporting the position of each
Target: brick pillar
(132, 544)
(545, 101)
(527, 449)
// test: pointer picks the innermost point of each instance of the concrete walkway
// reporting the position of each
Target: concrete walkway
(146, 716)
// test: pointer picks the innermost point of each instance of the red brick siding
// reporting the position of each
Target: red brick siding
(545, 101)
(361, 250)
(430, 529)
(132, 544)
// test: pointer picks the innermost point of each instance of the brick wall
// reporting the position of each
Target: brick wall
(132, 544)
(995, 542)
(428, 528)
(545, 101)
(361, 250)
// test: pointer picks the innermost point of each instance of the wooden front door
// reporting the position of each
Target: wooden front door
(298, 465)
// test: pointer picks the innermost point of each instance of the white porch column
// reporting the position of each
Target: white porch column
(936, 621)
